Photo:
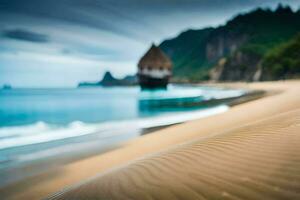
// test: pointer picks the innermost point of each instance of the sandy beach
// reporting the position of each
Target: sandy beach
(249, 152)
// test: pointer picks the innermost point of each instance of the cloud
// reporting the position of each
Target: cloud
(87, 37)
(19, 34)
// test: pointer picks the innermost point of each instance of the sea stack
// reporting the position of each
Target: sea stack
(154, 69)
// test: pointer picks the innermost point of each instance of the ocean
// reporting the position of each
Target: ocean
(41, 124)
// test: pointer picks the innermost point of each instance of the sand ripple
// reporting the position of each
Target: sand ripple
(256, 161)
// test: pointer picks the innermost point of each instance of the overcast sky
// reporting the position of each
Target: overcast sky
(57, 43)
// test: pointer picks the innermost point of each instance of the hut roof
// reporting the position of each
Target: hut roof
(155, 58)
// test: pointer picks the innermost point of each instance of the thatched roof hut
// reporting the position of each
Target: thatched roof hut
(155, 58)
(154, 69)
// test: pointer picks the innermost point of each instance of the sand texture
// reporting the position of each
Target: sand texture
(256, 161)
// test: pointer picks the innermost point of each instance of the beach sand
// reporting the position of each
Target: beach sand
(250, 152)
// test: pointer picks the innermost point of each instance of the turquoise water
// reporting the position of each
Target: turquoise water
(38, 123)
(94, 105)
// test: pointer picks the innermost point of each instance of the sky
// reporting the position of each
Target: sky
(58, 43)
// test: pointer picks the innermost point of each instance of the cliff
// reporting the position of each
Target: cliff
(235, 51)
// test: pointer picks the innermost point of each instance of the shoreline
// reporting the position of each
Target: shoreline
(52, 184)
(38, 166)
(250, 95)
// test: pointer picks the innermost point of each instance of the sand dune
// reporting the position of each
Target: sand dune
(256, 161)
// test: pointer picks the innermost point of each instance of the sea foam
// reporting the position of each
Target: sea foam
(42, 132)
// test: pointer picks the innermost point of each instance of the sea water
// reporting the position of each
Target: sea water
(42, 123)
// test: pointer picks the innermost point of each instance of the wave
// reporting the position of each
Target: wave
(191, 92)
(23, 130)
(42, 132)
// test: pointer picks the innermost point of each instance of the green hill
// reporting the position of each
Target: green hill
(283, 61)
(187, 52)
(240, 44)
